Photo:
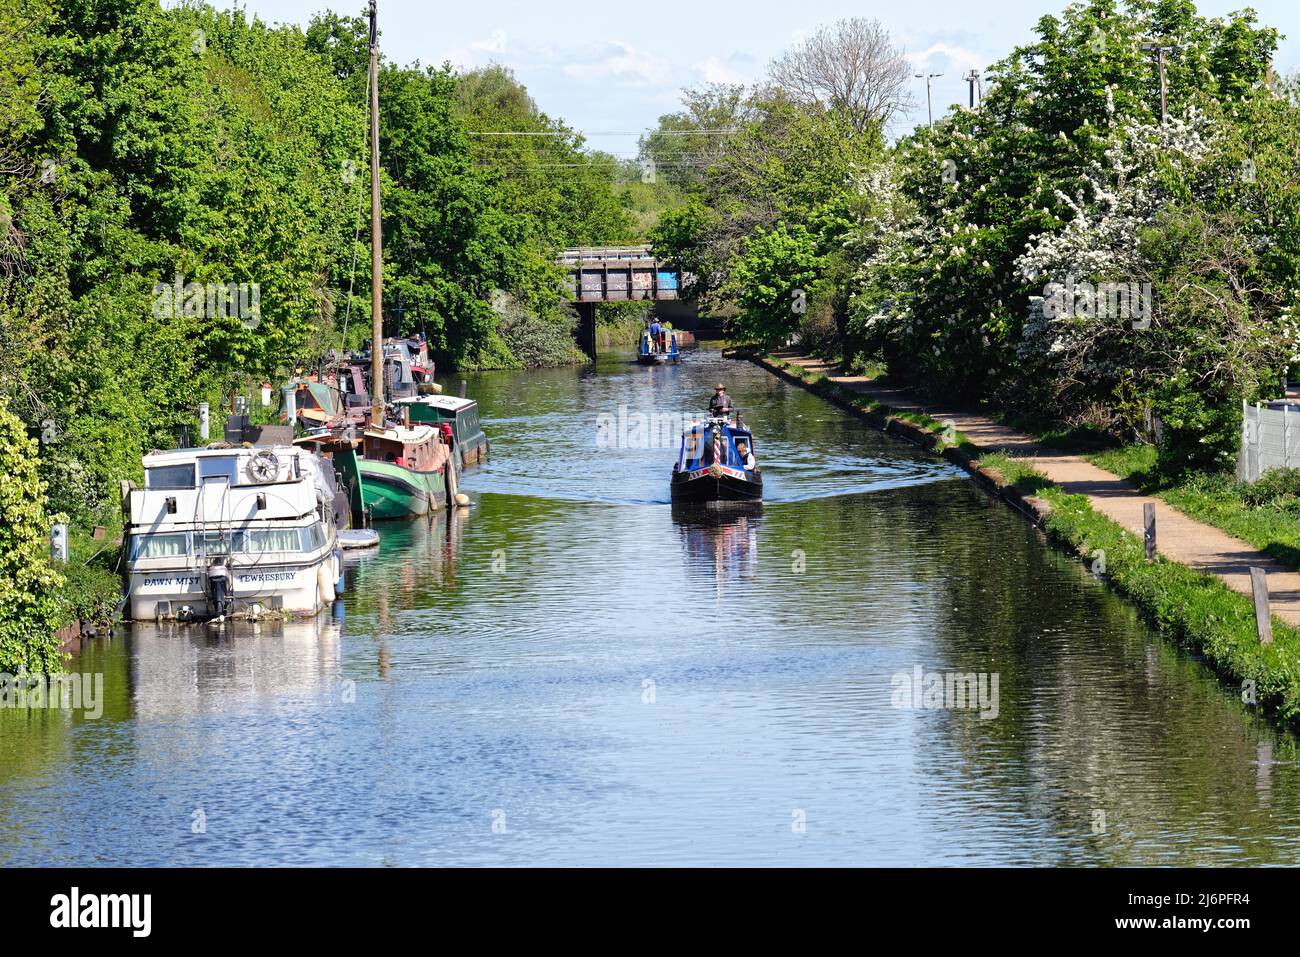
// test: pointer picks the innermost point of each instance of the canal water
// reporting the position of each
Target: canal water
(569, 674)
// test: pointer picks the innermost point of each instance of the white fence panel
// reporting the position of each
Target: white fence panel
(1270, 439)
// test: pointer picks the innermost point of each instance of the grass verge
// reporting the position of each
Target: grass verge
(1193, 609)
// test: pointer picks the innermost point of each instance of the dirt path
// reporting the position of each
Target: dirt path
(1178, 538)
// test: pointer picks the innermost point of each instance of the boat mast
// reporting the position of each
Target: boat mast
(376, 240)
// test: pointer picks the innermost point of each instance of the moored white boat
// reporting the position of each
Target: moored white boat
(224, 531)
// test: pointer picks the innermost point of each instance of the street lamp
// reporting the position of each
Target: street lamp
(928, 108)
(973, 80)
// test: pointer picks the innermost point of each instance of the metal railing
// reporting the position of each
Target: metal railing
(596, 254)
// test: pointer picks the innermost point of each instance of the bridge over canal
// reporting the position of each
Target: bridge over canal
(596, 274)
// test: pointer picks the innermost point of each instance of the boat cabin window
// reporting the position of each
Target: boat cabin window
(312, 537)
(693, 447)
(469, 426)
(240, 541)
(216, 543)
(382, 450)
(732, 453)
(160, 545)
(420, 457)
(258, 540)
(223, 467)
(269, 540)
(170, 476)
(698, 449)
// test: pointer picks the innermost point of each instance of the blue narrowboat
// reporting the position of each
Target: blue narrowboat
(651, 352)
(716, 466)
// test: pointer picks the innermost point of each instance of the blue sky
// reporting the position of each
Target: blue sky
(615, 68)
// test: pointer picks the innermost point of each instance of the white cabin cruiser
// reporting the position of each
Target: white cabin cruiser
(231, 531)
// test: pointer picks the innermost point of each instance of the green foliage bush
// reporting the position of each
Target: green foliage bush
(1279, 488)
(538, 341)
(773, 282)
(1067, 171)
(29, 585)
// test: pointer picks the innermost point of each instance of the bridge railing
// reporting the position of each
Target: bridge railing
(597, 254)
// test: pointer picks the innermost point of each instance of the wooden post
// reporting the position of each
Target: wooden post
(1149, 521)
(464, 387)
(376, 238)
(1263, 617)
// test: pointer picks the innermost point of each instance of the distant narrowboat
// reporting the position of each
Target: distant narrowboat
(663, 351)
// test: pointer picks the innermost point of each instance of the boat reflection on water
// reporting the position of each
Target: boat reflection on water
(723, 541)
(179, 669)
(414, 563)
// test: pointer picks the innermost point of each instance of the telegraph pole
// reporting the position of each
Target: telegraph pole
(972, 80)
(376, 239)
(1164, 91)
(1161, 51)
(929, 109)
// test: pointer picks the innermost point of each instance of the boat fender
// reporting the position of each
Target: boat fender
(449, 476)
(462, 500)
(324, 584)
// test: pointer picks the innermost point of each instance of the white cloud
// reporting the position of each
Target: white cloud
(716, 70)
(953, 59)
(618, 60)
(478, 53)
(493, 43)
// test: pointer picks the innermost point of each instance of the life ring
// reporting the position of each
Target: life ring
(263, 467)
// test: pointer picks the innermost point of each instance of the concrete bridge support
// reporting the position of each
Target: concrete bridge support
(587, 328)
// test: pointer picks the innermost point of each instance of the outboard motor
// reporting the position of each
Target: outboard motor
(219, 587)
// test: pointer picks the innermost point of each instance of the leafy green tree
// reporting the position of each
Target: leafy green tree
(686, 143)
(785, 169)
(771, 283)
(948, 305)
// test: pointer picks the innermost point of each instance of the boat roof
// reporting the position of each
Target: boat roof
(326, 437)
(400, 433)
(735, 432)
(162, 457)
(452, 403)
